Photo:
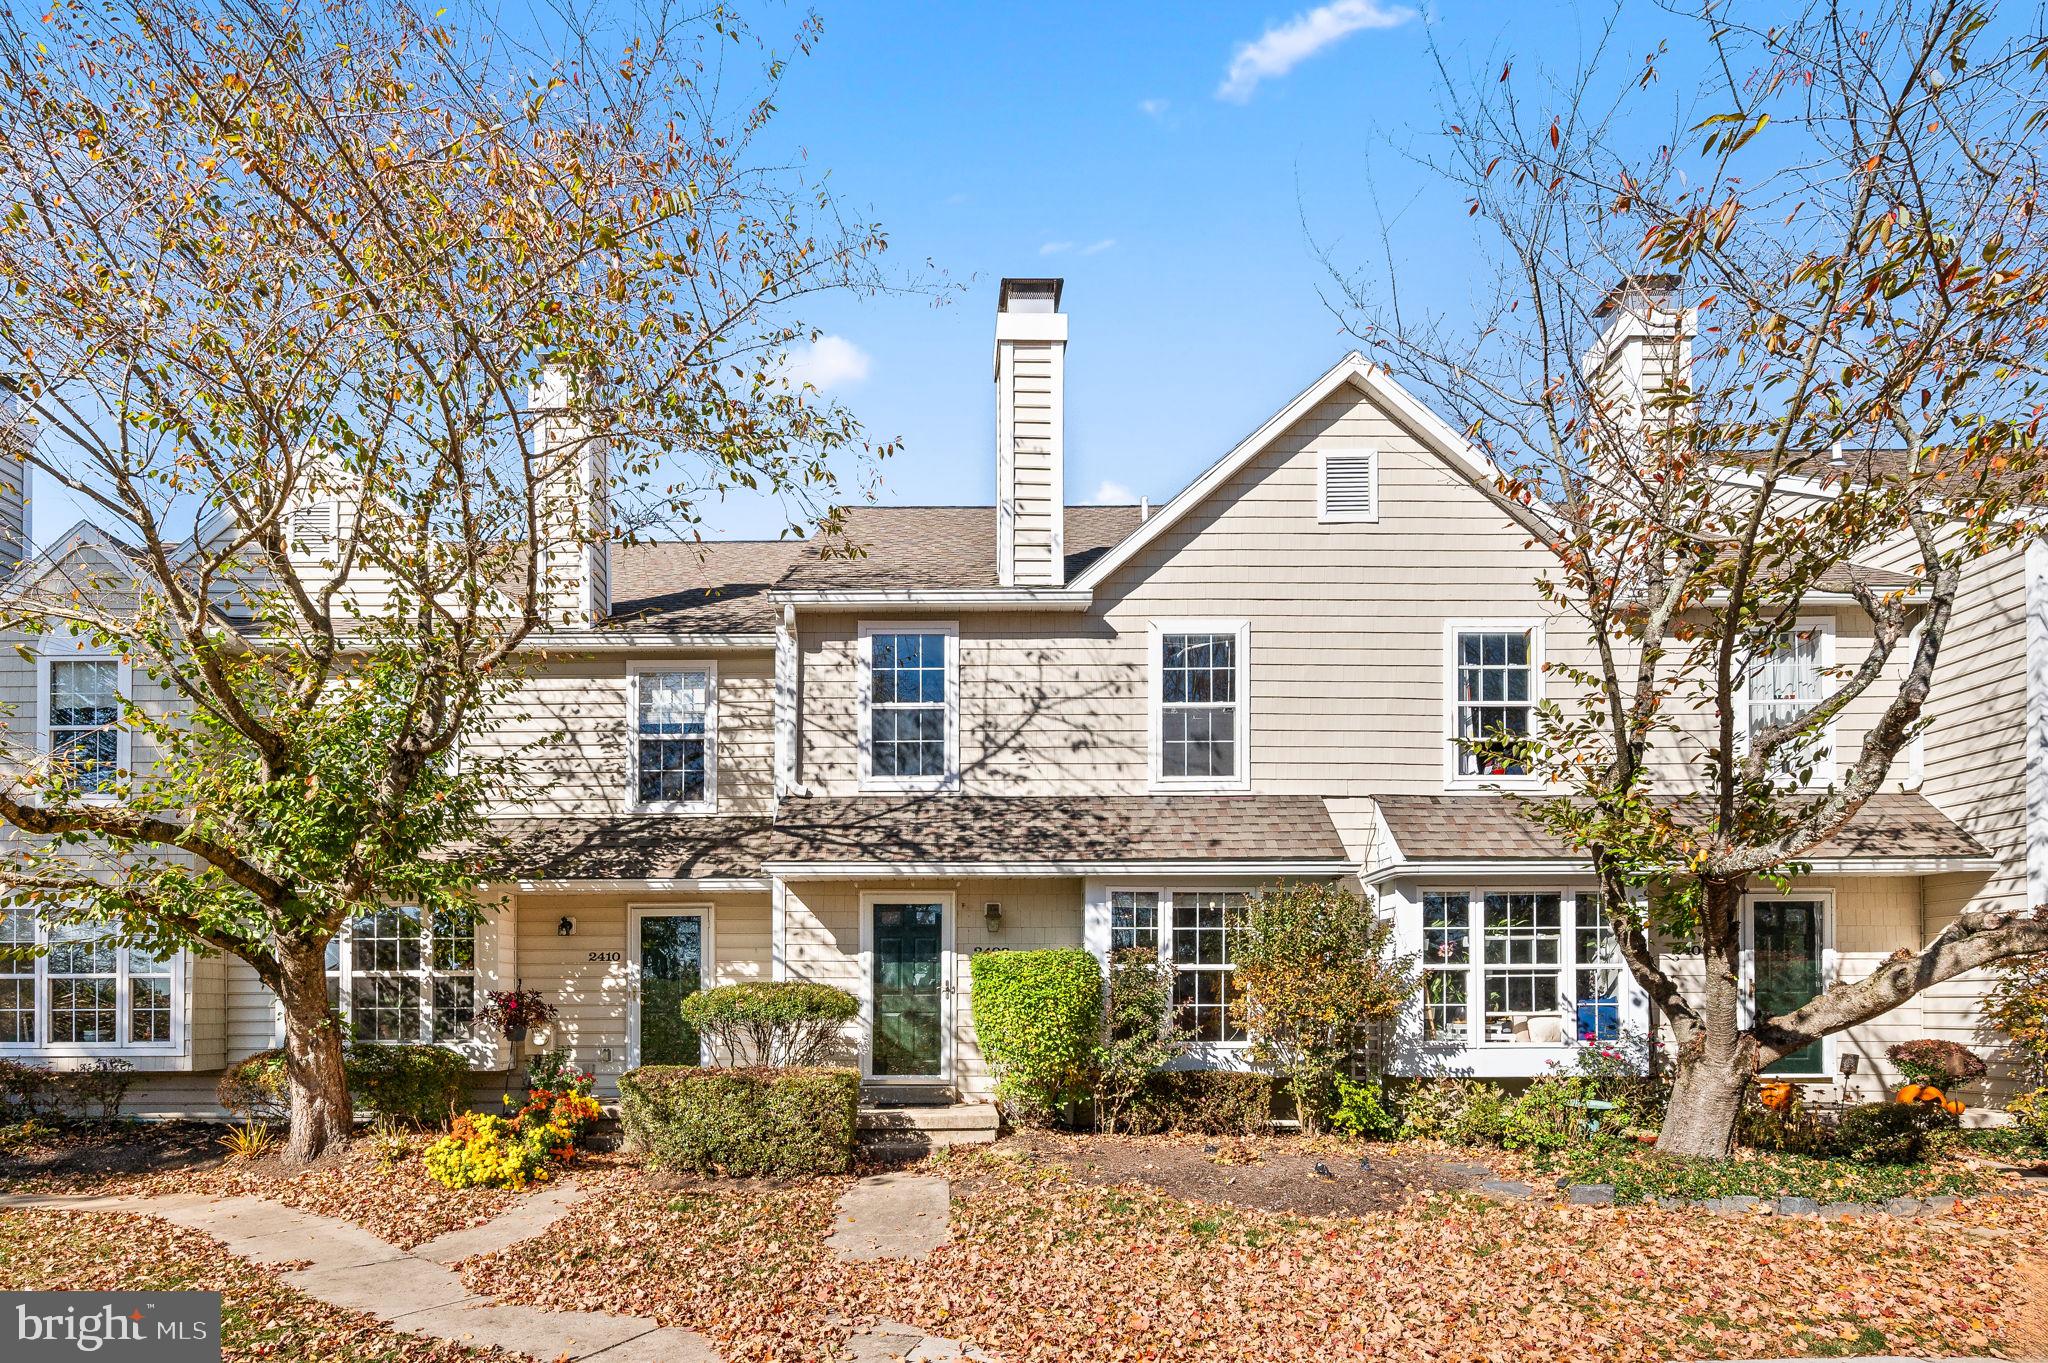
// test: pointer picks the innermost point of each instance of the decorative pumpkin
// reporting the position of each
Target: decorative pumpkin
(1920, 1093)
(1776, 1096)
(1956, 1107)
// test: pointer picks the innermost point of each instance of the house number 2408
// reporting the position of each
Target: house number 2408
(607, 955)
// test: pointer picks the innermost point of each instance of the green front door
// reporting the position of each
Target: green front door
(669, 957)
(909, 991)
(1788, 969)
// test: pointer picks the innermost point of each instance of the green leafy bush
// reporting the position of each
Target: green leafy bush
(1455, 1111)
(26, 1087)
(1039, 1017)
(1890, 1133)
(1205, 1103)
(255, 1088)
(1361, 1112)
(1315, 966)
(1550, 1115)
(771, 1022)
(556, 1073)
(423, 1085)
(756, 1120)
(1140, 1036)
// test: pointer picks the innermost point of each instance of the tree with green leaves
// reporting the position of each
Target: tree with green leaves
(1824, 352)
(1316, 972)
(362, 330)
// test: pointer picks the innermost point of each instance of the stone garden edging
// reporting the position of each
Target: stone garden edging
(1738, 1204)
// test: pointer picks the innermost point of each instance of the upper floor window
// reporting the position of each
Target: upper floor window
(68, 987)
(1494, 690)
(675, 738)
(82, 698)
(912, 706)
(397, 975)
(1199, 720)
(1784, 682)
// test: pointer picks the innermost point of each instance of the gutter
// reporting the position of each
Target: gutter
(993, 599)
(1556, 867)
(886, 870)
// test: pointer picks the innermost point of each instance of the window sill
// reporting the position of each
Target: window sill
(65, 1058)
(1160, 785)
(949, 785)
(1482, 785)
(673, 808)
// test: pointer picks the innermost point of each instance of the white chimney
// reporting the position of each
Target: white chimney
(1645, 352)
(1031, 371)
(575, 512)
(17, 435)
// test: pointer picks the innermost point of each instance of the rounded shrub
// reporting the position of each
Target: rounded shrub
(771, 1022)
(256, 1088)
(1039, 1017)
(755, 1120)
(423, 1085)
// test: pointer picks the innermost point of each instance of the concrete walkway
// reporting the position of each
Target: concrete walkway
(892, 1216)
(415, 1291)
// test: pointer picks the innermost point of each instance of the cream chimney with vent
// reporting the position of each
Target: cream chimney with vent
(1645, 352)
(575, 511)
(1031, 368)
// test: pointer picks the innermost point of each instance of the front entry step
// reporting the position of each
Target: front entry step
(910, 1131)
(908, 1095)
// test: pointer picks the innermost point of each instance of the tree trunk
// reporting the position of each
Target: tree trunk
(321, 1114)
(1717, 1062)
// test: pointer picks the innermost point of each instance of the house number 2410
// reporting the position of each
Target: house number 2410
(606, 955)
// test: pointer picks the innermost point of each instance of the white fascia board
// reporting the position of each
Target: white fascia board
(873, 870)
(1014, 599)
(707, 885)
(1565, 867)
(584, 641)
(1453, 449)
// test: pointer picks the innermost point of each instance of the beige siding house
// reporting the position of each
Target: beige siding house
(1027, 724)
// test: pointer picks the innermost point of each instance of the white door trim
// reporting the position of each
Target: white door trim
(947, 974)
(1829, 971)
(707, 967)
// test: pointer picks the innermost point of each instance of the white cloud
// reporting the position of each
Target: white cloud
(1109, 492)
(1154, 108)
(1060, 248)
(1055, 248)
(1096, 248)
(829, 362)
(1283, 47)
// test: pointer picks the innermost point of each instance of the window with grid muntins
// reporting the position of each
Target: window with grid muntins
(1447, 964)
(398, 980)
(1596, 973)
(1201, 963)
(94, 994)
(1523, 956)
(1496, 697)
(1134, 921)
(907, 706)
(1198, 701)
(1784, 684)
(673, 739)
(85, 744)
(17, 978)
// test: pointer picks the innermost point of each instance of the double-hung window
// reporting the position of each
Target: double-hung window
(1495, 670)
(1200, 720)
(1202, 965)
(82, 729)
(1527, 966)
(675, 738)
(1784, 682)
(398, 976)
(910, 697)
(1134, 921)
(67, 987)
(1446, 964)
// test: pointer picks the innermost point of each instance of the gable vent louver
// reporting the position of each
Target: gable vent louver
(1350, 488)
(312, 527)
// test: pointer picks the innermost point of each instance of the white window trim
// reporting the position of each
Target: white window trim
(707, 968)
(865, 666)
(1156, 630)
(707, 805)
(1823, 629)
(1830, 964)
(43, 1046)
(1453, 778)
(949, 974)
(124, 685)
(1096, 929)
(345, 971)
(1474, 1037)
(1324, 515)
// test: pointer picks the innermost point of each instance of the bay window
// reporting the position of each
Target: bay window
(1519, 967)
(1202, 967)
(397, 977)
(1134, 921)
(67, 987)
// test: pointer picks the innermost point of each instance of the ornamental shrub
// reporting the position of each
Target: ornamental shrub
(1204, 1103)
(771, 1022)
(1455, 1111)
(1941, 1063)
(1139, 1034)
(256, 1088)
(101, 1087)
(1315, 966)
(26, 1087)
(1890, 1133)
(752, 1120)
(1361, 1112)
(423, 1085)
(2017, 1005)
(1039, 1017)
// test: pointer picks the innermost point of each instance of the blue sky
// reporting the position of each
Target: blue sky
(1164, 160)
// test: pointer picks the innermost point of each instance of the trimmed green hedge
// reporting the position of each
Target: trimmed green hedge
(1039, 1017)
(756, 1120)
(418, 1084)
(1205, 1103)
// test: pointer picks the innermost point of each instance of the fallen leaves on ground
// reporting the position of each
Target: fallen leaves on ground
(1044, 1267)
(260, 1317)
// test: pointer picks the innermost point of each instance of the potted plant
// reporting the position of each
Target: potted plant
(515, 1012)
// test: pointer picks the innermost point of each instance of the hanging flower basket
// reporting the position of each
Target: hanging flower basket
(515, 1012)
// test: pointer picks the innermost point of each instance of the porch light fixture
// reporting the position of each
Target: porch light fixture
(566, 927)
(992, 915)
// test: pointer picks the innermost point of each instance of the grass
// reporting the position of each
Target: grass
(1638, 1174)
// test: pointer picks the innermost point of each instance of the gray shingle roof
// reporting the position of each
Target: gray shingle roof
(895, 830)
(941, 547)
(713, 587)
(1486, 826)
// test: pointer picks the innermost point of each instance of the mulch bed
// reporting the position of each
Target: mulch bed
(1270, 1173)
(88, 1152)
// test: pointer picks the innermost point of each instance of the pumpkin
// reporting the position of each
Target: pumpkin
(1777, 1097)
(1920, 1093)
(1956, 1107)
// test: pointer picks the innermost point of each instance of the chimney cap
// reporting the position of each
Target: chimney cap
(1656, 288)
(1030, 293)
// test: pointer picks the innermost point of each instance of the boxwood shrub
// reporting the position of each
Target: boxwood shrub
(1205, 1102)
(1039, 1017)
(753, 1120)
